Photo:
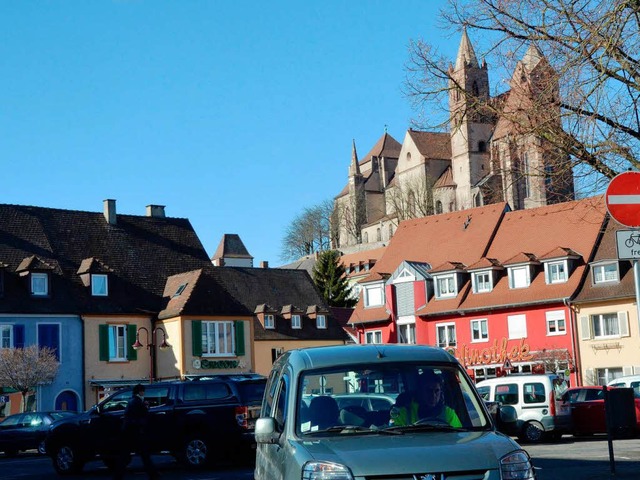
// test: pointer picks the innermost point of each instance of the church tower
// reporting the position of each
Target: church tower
(355, 211)
(470, 125)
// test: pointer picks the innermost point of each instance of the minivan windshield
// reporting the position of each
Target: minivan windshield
(393, 397)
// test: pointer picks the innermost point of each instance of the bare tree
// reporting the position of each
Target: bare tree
(588, 112)
(412, 198)
(25, 368)
(309, 232)
(349, 215)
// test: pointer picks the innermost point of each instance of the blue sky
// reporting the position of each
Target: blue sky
(233, 114)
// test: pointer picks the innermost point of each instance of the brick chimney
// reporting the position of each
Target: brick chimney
(110, 211)
(264, 264)
(156, 211)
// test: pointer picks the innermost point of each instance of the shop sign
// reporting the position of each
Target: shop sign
(500, 352)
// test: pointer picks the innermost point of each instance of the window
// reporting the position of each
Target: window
(407, 333)
(197, 392)
(438, 206)
(446, 286)
(269, 321)
(519, 277)
(525, 173)
(217, 338)
(534, 393)
(39, 284)
(507, 394)
(373, 336)
(378, 235)
(321, 321)
(556, 324)
(6, 336)
(517, 325)
(605, 273)
(373, 296)
(49, 336)
(605, 325)
(556, 272)
(296, 322)
(180, 289)
(479, 330)
(99, 285)
(118, 343)
(446, 334)
(481, 282)
(482, 147)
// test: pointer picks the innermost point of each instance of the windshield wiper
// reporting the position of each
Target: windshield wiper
(353, 429)
(439, 427)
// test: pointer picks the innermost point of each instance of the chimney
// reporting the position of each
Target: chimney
(110, 211)
(156, 211)
(264, 264)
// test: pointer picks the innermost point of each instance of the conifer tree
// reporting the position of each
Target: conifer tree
(329, 276)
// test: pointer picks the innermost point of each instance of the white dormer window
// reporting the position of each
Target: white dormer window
(296, 322)
(607, 272)
(373, 296)
(446, 286)
(556, 272)
(99, 285)
(519, 277)
(269, 321)
(39, 284)
(321, 321)
(482, 282)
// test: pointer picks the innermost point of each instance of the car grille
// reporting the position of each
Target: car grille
(470, 475)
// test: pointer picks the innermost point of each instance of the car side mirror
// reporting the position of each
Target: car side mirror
(266, 430)
(508, 414)
(95, 410)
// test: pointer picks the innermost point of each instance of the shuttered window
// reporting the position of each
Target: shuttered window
(404, 299)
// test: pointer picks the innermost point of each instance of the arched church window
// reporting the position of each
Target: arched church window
(451, 208)
(366, 237)
(438, 206)
(476, 200)
(378, 235)
(390, 231)
(408, 156)
(411, 207)
(474, 88)
(482, 147)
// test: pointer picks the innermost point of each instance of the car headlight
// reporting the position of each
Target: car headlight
(325, 471)
(517, 466)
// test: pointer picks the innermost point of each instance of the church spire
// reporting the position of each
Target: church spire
(466, 55)
(354, 168)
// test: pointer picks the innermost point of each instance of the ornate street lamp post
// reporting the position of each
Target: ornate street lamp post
(151, 342)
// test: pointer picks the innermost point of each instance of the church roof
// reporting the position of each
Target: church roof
(386, 146)
(466, 55)
(432, 144)
(231, 246)
(445, 180)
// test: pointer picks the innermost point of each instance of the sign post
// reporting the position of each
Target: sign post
(623, 203)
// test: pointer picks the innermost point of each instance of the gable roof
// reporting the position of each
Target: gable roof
(231, 246)
(436, 145)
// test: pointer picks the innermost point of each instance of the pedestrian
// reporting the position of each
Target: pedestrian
(134, 435)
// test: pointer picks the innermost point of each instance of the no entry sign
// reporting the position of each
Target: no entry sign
(623, 198)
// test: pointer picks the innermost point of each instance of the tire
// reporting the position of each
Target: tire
(195, 452)
(66, 460)
(532, 432)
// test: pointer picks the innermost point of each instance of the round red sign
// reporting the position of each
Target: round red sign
(623, 198)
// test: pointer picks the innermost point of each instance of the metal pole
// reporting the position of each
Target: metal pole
(636, 277)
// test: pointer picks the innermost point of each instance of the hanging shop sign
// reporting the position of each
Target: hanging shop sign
(500, 352)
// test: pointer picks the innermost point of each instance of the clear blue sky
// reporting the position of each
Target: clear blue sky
(233, 114)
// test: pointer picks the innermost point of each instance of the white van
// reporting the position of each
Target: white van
(541, 412)
(628, 381)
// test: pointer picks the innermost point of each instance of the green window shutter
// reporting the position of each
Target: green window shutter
(196, 337)
(132, 353)
(103, 342)
(239, 327)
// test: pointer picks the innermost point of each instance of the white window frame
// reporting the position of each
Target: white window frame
(120, 347)
(224, 339)
(38, 290)
(321, 321)
(599, 317)
(482, 287)
(554, 319)
(512, 276)
(296, 321)
(517, 326)
(373, 336)
(4, 336)
(369, 298)
(95, 290)
(556, 272)
(482, 338)
(269, 321)
(603, 269)
(447, 327)
(451, 286)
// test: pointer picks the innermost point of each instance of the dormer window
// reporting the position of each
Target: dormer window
(446, 286)
(296, 321)
(99, 285)
(556, 272)
(606, 272)
(482, 282)
(373, 296)
(39, 284)
(269, 321)
(519, 277)
(321, 321)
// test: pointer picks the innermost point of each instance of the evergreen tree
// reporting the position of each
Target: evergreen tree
(329, 276)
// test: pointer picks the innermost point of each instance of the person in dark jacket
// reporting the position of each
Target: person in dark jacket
(134, 435)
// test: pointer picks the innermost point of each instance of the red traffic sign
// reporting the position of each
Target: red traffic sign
(623, 198)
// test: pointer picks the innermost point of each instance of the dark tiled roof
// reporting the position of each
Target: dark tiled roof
(231, 246)
(434, 145)
(140, 252)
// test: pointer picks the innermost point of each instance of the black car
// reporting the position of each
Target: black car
(27, 431)
(197, 421)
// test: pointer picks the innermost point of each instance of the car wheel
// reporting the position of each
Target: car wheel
(532, 432)
(66, 461)
(195, 452)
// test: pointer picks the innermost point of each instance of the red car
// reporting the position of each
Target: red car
(587, 410)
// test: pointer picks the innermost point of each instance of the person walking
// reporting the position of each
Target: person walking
(134, 435)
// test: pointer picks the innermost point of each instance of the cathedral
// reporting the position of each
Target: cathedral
(492, 153)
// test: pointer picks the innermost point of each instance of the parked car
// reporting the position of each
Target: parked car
(316, 441)
(27, 431)
(541, 413)
(196, 421)
(628, 381)
(588, 411)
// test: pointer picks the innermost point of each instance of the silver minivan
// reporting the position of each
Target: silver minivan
(427, 422)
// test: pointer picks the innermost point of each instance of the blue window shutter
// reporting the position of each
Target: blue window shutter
(196, 338)
(103, 342)
(49, 336)
(18, 336)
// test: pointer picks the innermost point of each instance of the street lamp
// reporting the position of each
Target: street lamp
(151, 343)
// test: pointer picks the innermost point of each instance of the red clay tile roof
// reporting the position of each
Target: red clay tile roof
(362, 258)
(445, 180)
(521, 257)
(432, 144)
(484, 263)
(448, 267)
